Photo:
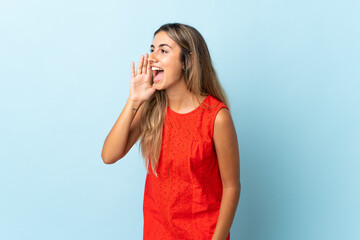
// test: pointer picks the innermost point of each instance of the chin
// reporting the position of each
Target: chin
(158, 86)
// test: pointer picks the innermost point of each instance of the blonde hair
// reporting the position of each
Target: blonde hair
(200, 78)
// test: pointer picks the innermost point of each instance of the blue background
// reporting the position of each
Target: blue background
(290, 69)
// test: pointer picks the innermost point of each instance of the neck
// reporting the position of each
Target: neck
(181, 99)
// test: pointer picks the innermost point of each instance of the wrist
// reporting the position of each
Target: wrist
(134, 104)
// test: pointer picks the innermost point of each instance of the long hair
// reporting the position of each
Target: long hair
(200, 78)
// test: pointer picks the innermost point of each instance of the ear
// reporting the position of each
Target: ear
(192, 59)
(190, 63)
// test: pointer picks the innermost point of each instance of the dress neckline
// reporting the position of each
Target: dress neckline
(192, 111)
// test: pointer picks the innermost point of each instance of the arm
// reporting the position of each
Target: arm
(126, 129)
(226, 145)
(123, 134)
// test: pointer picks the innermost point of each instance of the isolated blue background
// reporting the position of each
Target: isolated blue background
(291, 71)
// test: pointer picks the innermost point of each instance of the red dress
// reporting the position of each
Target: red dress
(183, 202)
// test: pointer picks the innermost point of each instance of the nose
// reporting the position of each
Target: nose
(152, 58)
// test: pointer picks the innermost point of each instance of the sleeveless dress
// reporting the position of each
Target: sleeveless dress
(183, 202)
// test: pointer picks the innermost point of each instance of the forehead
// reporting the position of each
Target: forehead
(163, 38)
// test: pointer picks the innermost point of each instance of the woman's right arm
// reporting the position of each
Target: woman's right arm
(126, 129)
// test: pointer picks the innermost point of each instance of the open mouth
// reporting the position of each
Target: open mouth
(157, 73)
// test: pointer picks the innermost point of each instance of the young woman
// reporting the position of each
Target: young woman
(178, 110)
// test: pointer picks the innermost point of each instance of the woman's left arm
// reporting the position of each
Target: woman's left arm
(227, 151)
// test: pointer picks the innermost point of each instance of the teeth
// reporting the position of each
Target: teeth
(155, 68)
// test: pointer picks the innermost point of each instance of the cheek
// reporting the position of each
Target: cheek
(176, 68)
(174, 74)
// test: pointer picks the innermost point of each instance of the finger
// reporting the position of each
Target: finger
(132, 69)
(148, 67)
(140, 65)
(144, 68)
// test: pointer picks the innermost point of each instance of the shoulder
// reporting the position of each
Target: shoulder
(213, 100)
(223, 124)
(224, 137)
(222, 121)
(219, 108)
(222, 118)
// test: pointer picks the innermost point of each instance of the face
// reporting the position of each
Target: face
(165, 55)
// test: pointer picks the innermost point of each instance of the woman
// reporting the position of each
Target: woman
(179, 111)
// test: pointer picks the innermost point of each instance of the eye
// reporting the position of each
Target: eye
(163, 51)
(151, 50)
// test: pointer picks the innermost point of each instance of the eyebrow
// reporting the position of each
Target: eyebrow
(161, 45)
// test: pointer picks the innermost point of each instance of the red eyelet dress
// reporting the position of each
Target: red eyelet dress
(183, 202)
